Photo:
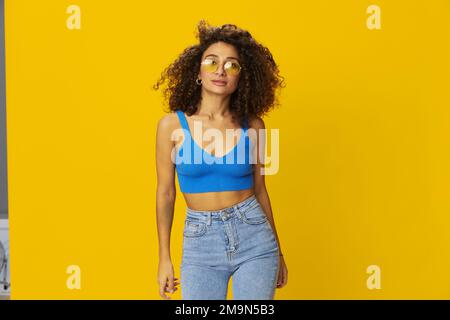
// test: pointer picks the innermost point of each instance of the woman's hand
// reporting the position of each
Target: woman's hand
(166, 280)
(282, 274)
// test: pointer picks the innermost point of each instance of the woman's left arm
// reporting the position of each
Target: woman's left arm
(259, 178)
(258, 135)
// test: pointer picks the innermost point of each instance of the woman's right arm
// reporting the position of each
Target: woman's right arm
(165, 202)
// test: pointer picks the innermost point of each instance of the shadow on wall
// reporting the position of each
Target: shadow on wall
(4, 259)
(4, 227)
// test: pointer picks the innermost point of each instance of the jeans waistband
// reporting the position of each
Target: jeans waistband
(221, 214)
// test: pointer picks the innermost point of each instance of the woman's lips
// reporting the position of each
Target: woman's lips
(219, 83)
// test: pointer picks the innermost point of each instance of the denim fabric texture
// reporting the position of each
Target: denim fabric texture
(237, 242)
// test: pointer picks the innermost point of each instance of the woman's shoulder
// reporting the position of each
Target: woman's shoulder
(256, 122)
(168, 119)
(169, 122)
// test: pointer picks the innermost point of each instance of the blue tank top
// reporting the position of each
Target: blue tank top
(199, 171)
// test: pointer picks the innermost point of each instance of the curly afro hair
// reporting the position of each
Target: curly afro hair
(259, 77)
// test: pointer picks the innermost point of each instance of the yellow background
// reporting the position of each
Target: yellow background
(364, 143)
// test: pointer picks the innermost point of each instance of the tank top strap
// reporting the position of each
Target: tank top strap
(183, 121)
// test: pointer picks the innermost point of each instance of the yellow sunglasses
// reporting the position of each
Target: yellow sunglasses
(211, 65)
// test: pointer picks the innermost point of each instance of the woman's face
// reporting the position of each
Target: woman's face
(220, 52)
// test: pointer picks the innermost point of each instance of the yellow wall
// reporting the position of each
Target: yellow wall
(364, 143)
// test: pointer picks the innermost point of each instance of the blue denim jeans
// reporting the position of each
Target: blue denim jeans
(238, 242)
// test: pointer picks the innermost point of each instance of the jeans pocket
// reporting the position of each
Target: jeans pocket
(193, 228)
(254, 215)
(250, 205)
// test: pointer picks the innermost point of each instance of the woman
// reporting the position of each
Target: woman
(226, 82)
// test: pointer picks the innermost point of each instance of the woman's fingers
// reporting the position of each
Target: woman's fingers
(282, 276)
(167, 290)
(174, 286)
(171, 285)
(162, 286)
(167, 285)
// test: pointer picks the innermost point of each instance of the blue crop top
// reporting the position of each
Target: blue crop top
(199, 171)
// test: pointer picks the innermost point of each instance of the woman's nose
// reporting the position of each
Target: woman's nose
(220, 69)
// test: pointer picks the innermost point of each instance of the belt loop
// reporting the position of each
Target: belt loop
(209, 218)
(238, 212)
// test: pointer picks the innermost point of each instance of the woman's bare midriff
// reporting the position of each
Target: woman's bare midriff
(211, 201)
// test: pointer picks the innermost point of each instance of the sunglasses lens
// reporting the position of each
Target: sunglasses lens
(209, 65)
(232, 68)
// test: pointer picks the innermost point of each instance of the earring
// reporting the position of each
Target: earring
(198, 83)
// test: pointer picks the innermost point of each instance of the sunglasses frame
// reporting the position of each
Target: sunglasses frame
(208, 58)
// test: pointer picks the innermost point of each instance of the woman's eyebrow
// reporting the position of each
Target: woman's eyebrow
(218, 56)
